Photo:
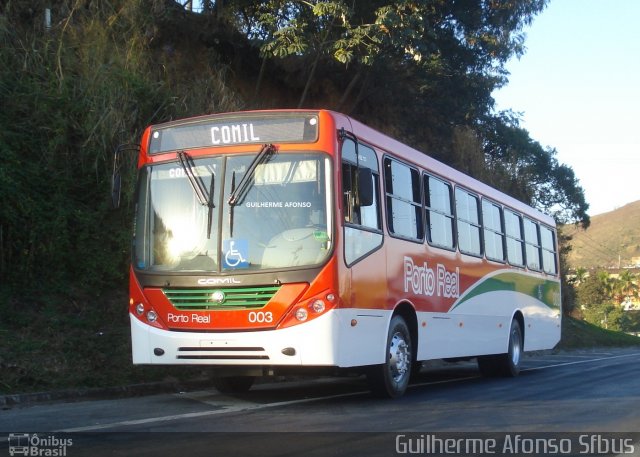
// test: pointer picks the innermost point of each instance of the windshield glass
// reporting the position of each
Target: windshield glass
(281, 220)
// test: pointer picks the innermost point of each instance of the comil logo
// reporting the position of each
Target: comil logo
(217, 281)
(34, 445)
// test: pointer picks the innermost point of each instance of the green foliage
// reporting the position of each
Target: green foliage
(61, 343)
(567, 286)
(593, 291)
(601, 296)
(581, 334)
(69, 97)
(605, 315)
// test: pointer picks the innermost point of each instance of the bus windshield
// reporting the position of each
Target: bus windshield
(280, 220)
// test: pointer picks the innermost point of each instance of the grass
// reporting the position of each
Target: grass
(60, 344)
(579, 334)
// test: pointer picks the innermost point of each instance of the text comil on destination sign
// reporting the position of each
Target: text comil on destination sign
(233, 134)
(216, 132)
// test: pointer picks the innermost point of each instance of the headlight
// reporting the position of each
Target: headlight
(301, 314)
(318, 306)
(152, 316)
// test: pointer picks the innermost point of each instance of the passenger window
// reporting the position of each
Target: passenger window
(493, 231)
(513, 231)
(439, 212)
(532, 243)
(404, 201)
(468, 222)
(547, 239)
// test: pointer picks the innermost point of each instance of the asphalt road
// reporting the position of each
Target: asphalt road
(576, 403)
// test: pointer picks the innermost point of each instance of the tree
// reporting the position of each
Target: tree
(524, 169)
(594, 295)
(627, 286)
(580, 275)
(593, 291)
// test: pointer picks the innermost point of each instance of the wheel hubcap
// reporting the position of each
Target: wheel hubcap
(399, 357)
(516, 348)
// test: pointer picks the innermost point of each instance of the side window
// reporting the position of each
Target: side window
(439, 207)
(349, 172)
(404, 202)
(468, 222)
(547, 240)
(493, 231)
(363, 227)
(354, 213)
(370, 215)
(513, 231)
(532, 243)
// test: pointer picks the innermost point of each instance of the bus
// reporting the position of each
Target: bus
(299, 241)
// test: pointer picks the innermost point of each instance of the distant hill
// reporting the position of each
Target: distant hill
(612, 239)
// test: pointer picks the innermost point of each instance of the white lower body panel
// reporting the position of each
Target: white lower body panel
(355, 337)
(481, 326)
(329, 340)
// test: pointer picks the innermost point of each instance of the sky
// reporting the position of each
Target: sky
(577, 88)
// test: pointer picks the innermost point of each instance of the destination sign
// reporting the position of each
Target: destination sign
(228, 131)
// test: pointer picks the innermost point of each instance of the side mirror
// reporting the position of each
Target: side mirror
(116, 177)
(365, 187)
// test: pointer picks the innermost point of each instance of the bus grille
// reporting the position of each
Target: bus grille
(209, 299)
(224, 353)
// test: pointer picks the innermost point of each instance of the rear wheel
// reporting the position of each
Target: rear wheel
(233, 384)
(507, 364)
(391, 378)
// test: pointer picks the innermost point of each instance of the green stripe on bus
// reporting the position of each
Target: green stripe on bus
(544, 290)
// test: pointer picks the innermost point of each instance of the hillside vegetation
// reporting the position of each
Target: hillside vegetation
(611, 241)
(104, 70)
(73, 91)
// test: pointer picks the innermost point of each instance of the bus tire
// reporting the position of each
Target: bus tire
(390, 379)
(507, 364)
(233, 384)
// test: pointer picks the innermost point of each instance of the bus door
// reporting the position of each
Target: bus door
(363, 240)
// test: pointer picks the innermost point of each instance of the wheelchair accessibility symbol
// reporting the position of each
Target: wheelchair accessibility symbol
(235, 253)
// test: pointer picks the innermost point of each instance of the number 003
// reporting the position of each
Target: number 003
(260, 317)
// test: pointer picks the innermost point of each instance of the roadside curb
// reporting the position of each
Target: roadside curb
(106, 393)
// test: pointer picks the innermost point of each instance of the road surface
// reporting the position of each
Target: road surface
(576, 403)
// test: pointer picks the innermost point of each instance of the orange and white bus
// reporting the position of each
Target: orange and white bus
(284, 240)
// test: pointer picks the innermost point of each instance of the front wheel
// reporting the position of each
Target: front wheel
(507, 364)
(391, 378)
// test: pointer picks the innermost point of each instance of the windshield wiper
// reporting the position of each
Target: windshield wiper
(238, 191)
(205, 198)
